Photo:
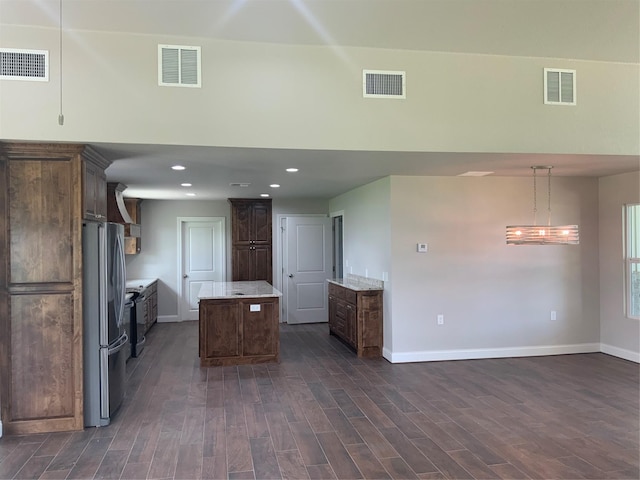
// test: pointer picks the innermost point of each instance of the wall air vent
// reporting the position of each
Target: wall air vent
(179, 66)
(559, 86)
(241, 184)
(383, 84)
(20, 64)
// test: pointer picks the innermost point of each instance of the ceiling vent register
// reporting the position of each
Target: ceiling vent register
(383, 84)
(19, 64)
(179, 66)
(559, 86)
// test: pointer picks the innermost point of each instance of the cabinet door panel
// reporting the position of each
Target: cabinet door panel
(221, 333)
(242, 263)
(41, 233)
(241, 224)
(42, 375)
(262, 263)
(101, 194)
(258, 331)
(261, 218)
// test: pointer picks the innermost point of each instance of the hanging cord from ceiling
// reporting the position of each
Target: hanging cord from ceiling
(60, 115)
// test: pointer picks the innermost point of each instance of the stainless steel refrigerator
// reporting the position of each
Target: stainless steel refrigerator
(105, 339)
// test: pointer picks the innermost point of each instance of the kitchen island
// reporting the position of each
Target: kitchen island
(239, 323)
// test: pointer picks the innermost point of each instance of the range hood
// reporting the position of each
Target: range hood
(117, 211)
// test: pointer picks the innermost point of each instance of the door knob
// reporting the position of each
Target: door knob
(291, 275)
(185, 276)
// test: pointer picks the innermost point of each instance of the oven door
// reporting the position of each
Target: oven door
(129, 309)
(140, 325)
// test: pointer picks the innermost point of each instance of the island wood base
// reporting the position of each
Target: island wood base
(237, 331)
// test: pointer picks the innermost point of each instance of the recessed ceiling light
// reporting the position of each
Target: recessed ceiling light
(292, 170)
(190, 194)
(274, 185)
(177, 167)
(475, 174)
(185, 185)
(264, 194)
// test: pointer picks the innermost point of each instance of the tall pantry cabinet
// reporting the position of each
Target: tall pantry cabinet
(251, 249)
(45, 191)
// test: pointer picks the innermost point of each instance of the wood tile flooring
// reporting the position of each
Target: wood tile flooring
(322, 413)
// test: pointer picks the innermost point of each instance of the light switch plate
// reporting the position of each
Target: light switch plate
(423, 247)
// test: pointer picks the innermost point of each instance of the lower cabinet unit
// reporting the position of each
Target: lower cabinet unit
(239, 331)
(355, 316)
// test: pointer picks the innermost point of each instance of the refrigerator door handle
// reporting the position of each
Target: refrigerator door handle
(104, 382)
(122, 341)
(102, 276)
(121, 280)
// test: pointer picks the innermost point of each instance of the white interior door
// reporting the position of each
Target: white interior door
(202, 261)
(307, 265)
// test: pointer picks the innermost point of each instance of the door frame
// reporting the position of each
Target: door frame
(339, 213)
(281, 248)
(181, 221)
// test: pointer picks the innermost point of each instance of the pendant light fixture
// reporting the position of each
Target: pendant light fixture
(542, 234)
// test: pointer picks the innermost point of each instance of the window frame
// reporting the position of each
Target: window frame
(631, 233)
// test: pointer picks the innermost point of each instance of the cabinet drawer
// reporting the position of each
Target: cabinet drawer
(350, 296)
(341, 310)
(335, 290)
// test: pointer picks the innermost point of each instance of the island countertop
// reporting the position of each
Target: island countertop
(253, 289)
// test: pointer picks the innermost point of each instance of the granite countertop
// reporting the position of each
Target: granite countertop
(256, 289)
(356, 282)
(140, 282)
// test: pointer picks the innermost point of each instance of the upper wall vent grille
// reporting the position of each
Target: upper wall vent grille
(383, 84)
(559, 86)
(20, 64)
(179, 66)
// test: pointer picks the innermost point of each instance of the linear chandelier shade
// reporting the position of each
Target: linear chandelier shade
(542, 234)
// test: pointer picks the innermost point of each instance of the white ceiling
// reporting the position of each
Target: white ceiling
(578, 29)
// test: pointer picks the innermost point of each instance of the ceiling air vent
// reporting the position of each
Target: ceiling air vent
(18, 64)
(178, 66)
(559, 86)
(383, 84)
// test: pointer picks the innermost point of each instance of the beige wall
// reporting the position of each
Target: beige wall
(620, 335)
(268, 95)
(496, 299)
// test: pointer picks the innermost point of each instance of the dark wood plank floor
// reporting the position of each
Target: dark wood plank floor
(323, 413)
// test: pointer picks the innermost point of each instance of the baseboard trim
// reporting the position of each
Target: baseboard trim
(479, 353)
(168, 318)
(620, 352)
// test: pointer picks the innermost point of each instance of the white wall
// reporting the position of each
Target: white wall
(310, 97)
(367, 238)
(620, 335)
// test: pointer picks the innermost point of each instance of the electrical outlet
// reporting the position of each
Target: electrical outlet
(440, 319)
(553, 315)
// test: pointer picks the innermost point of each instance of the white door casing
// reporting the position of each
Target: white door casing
(202, 260)
(307, 266)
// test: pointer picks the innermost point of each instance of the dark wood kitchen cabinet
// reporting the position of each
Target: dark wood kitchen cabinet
(251, 239)
(41, 212)
(355, 316)
(133, 245)
(94, 198)
(239, 332)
